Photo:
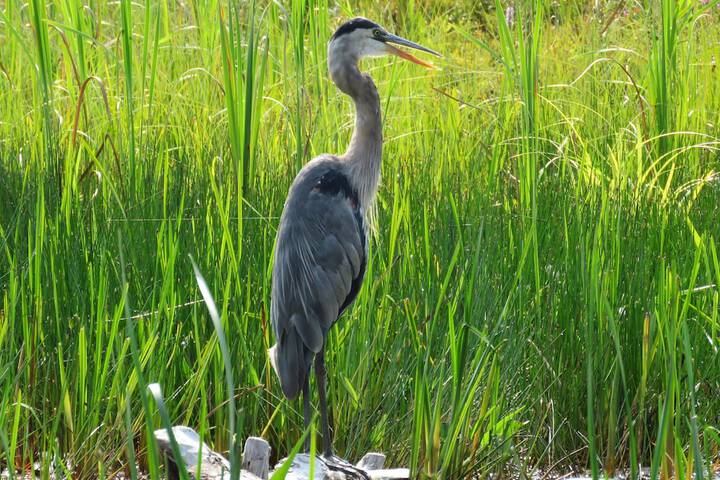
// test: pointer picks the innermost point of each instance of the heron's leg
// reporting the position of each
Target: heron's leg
(320, 375)
(307, 412)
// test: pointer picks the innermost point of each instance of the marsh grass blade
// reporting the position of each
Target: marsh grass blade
(229, 383)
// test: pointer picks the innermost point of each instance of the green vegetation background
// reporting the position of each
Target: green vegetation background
(542, 290)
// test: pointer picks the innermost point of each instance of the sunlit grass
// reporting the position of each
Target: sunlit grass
(542, 291)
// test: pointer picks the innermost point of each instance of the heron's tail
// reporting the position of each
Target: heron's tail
(290, 369)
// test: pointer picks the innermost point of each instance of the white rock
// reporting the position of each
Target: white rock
(370, 465)
(300, 468)
(372, 461)
(190, 445)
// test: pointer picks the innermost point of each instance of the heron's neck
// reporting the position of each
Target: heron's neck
(364, 154)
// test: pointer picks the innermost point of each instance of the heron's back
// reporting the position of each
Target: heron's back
(320, 257)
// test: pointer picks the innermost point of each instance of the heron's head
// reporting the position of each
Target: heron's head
(360, 37)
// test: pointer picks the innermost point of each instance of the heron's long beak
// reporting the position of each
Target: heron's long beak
(390, 38)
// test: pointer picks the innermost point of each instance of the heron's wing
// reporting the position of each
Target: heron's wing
(318, 270)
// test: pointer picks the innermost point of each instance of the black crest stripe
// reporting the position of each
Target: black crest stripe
(352, 25)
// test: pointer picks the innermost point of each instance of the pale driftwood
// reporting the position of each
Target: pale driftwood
(213, 466)
(256, 457)
(390, 474)
(256, 461)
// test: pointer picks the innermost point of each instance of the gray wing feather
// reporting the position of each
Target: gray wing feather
(333, 257)
(354, 257)
(325, 299)
(339, 287)
(308, 328)
(317, 258)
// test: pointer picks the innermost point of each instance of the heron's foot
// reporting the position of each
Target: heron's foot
(337, 464)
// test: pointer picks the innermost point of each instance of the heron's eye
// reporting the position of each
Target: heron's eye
(377, 33)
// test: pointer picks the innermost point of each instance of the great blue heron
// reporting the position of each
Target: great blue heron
(321, 246)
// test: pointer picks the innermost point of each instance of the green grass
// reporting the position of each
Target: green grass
(542, 290)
